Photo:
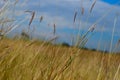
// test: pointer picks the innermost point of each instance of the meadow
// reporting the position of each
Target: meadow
(26, 58)
(37, 60)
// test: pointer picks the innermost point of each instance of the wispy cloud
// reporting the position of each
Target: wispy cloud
(61, 13)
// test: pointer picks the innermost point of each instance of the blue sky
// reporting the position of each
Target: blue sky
(61, 12)
(111, 1)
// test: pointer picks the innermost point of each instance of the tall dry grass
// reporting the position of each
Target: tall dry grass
(38, 60)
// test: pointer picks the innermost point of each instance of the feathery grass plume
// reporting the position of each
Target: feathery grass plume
(92, 6)
(41, 19)
(92, 28)
(75, 15)
(54, 31)
(82, 11)
(82, 8)
(32, 17)
(83, 39)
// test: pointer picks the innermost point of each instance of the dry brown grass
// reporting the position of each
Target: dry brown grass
(35, 60)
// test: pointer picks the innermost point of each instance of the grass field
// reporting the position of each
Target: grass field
(28, 59)
(37, 60)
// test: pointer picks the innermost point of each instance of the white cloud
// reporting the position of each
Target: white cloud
(64, 18)
(63, 21)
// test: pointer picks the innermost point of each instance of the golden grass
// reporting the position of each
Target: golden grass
(36, 60)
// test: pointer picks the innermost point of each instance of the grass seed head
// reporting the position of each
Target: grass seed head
(92, 6)
(54, 29)
(33, 15)
(41, 19)
(75, 15)
(82, 11)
